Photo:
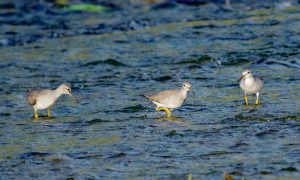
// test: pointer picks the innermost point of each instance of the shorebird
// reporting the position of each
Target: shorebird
(45, 98)
(169, 99)
(250, 84)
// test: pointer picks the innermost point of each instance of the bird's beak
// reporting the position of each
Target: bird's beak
(242, 77)
(69, 93)
(193, 92)
(73, 97)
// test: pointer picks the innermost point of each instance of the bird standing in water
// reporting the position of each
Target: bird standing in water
(45, 98)
(251, 85)
(170, 99)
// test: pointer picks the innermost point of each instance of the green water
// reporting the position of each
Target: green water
(113, 133)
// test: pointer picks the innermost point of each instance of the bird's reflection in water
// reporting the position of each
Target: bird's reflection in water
(173, 119)
(251, 106)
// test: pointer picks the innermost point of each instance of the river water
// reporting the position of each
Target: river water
(113, 133)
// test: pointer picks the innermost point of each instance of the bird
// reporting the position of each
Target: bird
(169, 99)
(251, 85)
(45, 98)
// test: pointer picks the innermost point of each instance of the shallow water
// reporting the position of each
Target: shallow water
(114, 133)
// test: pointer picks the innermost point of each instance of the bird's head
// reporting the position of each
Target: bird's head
(64, 89)
(246, 73)
(186, 85)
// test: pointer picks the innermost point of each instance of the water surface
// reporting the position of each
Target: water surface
(113, 133)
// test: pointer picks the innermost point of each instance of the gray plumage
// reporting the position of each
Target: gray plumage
(170, 98)
(45, 98)
(251, 84)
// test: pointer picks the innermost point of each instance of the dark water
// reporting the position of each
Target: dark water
(113, 133)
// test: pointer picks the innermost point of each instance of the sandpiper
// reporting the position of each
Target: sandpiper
(251, 85)
(170, 99)
(45, 98)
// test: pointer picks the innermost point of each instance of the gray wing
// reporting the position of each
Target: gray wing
(32, 96)
(161, 97)
(259, 81)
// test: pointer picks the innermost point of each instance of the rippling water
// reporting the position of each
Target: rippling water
(114, 133)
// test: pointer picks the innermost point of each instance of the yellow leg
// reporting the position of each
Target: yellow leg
(246, 99)
(164, 109)
(49, 113)
(257, 98)
(36, 116)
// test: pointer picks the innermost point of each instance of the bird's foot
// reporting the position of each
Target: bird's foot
(257, 101)
(49, 113)
(36, 116)
(246, 100)
(168, 112)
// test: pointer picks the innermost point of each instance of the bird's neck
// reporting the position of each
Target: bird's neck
(57, 93)
(183, 91)
(249, 80)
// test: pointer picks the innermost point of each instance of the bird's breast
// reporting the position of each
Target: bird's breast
(43, 103)
(249, 85)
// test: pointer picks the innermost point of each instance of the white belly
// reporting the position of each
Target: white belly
(170, 106)
(43, 103)
(250, 86)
